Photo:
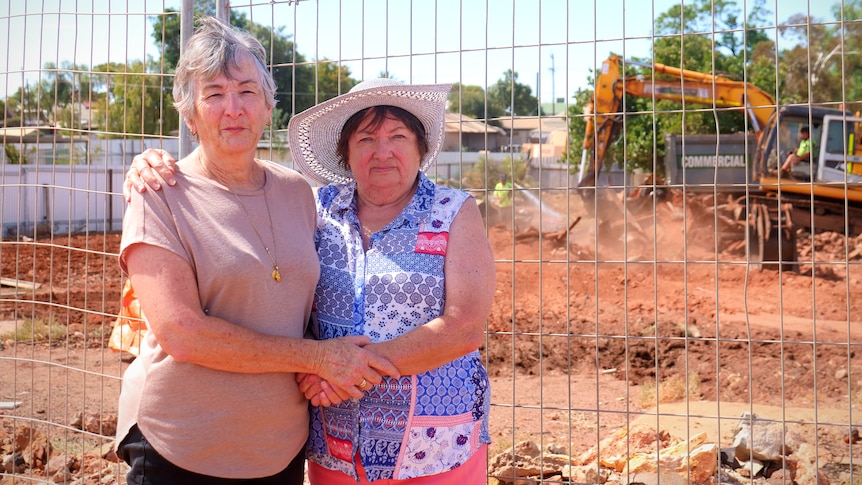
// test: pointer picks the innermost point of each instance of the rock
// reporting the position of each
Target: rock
(852, 436)
(615, 449)
(105, 424)
(694, 461)
(14, 463)
(585, 474)
(642, 455)
(107, 452)
(806, 467)
(58, 463)
(32, 445)
(664, 477)
(760, 439)
(728, 458)
(750, 469)
(780, 477)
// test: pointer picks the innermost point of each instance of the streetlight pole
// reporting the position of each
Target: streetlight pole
(553, 89)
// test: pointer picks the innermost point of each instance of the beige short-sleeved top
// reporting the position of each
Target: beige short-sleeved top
(207, 421)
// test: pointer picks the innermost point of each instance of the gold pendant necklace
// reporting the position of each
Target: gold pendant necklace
(276, 274)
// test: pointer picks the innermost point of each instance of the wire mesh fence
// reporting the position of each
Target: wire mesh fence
(678, 275)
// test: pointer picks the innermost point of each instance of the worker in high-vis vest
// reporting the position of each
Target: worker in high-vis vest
(503, 192)
(802, 153)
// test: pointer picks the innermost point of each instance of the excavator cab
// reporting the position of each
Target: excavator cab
(788, 142)
(840, 150)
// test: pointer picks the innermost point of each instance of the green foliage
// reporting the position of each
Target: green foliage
(13, 156)
(297, 90)
(471, 101)
(714, 36)
(332, 80)
(138, 104)
(577, 128)
(507, 97)
(33, 331)
(633, 149)
(823, 66)
(514, 98)
(166, 29)
(484, 175)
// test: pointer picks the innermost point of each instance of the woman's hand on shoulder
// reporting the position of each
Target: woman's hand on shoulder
(149, 169)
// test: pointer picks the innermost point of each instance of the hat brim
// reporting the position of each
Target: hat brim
(314, 133)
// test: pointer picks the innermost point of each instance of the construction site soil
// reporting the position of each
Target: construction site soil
(578, 330)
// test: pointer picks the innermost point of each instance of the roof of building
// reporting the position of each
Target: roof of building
(32, 134)
(457, 123)
(534, 123)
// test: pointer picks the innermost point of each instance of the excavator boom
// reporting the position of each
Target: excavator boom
(605, 110)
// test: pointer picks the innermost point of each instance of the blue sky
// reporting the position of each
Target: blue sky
(551, 44)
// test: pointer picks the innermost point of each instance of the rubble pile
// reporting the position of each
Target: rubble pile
(27, 452)
(829, 246)
(763, 452)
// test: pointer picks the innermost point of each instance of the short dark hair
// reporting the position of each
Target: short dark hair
(804, 129)
(379, 114)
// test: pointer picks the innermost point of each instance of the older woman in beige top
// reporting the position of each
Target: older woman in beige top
(226, 288)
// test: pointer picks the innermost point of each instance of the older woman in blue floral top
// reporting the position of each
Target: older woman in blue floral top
(407, 263)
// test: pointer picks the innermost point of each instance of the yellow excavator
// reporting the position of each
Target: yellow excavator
(823, 194)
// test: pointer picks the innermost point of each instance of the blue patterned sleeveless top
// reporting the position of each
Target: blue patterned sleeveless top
(417, 425)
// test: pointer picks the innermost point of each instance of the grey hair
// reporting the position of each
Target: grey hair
(214, 49)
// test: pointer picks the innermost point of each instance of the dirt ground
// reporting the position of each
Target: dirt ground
(579, 333)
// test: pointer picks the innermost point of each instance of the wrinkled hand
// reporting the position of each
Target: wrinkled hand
(318, 391)
(149, 169)
(344, 370)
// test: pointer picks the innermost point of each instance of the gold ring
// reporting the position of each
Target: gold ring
(363, 384)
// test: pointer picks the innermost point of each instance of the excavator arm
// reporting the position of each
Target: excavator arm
(605, 110)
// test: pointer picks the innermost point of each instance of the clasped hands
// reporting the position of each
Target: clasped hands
(346, 368)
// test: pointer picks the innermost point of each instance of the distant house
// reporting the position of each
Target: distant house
(41, 145)
(464, 133)
(556, 108)
(533, 129)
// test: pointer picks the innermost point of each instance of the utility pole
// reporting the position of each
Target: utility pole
(553, 89)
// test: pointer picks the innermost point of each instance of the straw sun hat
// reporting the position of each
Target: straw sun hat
(314, 132)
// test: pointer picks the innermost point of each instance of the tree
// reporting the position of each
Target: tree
(166, 29)
(850, 33)
(705, 36)
(25, 103)
(741, 51)
(294, 78)
(332, 80)
(807, 70)
(514, 98)
(13, 156)
(826, 61)
(471, 101)
(137, 103)
(56, 89)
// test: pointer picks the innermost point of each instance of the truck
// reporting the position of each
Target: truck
(824, 194)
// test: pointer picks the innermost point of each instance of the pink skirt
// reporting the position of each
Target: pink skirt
(474, 472)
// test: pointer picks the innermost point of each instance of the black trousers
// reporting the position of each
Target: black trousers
(151, 468)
